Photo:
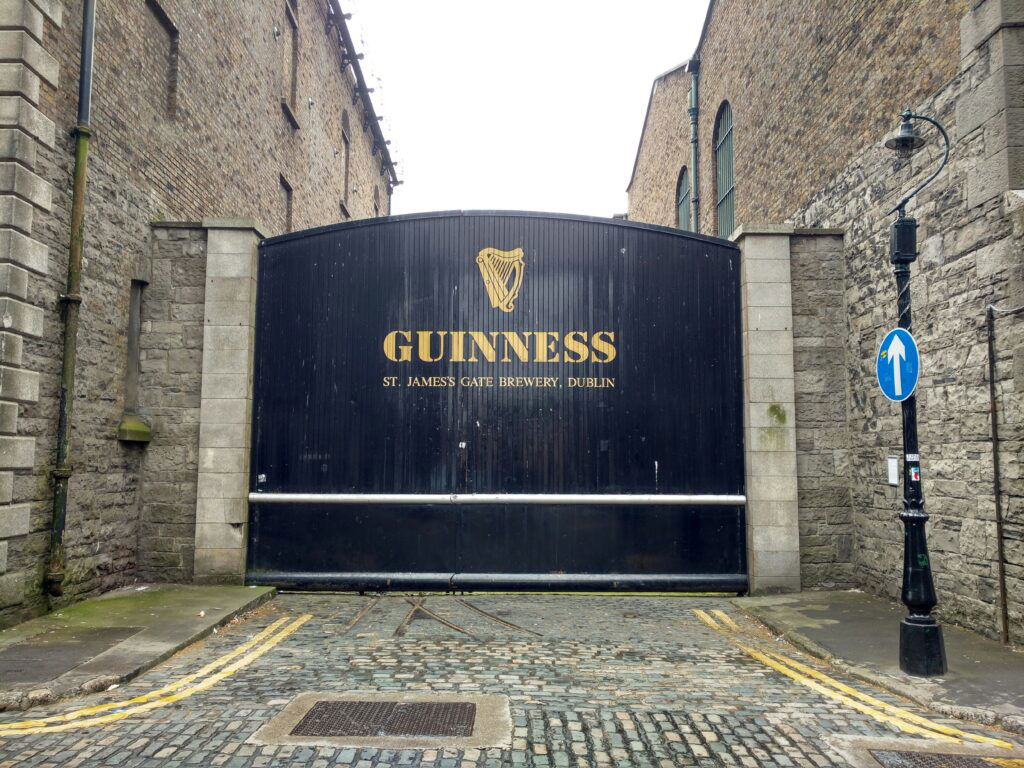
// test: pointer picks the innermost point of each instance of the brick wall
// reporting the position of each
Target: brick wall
(219, 148)
(811, 82)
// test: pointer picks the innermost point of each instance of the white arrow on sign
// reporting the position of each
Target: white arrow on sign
(896, 353)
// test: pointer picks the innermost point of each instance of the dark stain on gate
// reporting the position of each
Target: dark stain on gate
(497, 353)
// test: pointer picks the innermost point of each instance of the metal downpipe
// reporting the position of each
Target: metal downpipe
(694, 69)
(71, 300)
(997, 489)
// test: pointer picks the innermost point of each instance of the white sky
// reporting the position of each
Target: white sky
(517, 104)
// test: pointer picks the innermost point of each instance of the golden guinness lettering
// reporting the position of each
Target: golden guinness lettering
(500, 346)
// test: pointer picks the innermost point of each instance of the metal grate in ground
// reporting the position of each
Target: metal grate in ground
(387, 718)
(894, 759)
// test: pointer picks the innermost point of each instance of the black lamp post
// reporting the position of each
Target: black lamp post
(922, 651)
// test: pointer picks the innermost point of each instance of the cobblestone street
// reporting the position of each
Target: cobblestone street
(591, 681)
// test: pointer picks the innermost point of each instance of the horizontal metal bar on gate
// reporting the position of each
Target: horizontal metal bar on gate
(581, 499)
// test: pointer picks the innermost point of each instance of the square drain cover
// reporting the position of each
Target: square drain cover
(392, 720)
(893, 759)
(387, 718)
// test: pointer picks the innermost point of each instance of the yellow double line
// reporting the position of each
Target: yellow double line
(831, 688)
(242, 656)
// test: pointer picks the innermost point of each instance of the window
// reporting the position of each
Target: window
(376, 202)
(345, 134)
(683, 200)
(166, 63)
(290, 64)
(725, 205)
(286, 204)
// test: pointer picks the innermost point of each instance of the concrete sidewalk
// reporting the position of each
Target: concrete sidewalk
(89, 646)
(859, 634)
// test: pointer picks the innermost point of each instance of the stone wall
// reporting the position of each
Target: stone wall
(810, 82)
(171, 361)
(817, 269)
(188, 124)
(812, 98)
(970, 239)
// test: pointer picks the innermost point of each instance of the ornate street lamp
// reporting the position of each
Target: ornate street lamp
(922, 651)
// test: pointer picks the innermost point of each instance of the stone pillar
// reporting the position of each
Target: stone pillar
(773, 532)
(992, 50)
(226, 402)
(24, 195)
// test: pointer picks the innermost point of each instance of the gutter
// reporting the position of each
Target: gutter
(370, 118)
(71, 300)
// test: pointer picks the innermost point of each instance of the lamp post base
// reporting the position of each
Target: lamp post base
(922, 651)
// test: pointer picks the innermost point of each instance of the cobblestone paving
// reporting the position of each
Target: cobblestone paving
(592, 681)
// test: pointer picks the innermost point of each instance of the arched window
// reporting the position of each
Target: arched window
(683, 200)
(725, 204)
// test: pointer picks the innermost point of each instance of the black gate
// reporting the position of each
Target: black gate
(474, 400)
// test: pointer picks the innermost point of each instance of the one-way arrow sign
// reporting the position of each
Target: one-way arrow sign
(898, 365)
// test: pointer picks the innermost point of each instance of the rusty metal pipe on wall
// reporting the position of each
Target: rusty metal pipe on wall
(990, 321)
(71, 300)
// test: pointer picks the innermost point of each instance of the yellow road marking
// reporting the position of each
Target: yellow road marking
(808, 676)
(726, 619)
(1010, 763)
(844, 699)
(898, 711)
(706, 619)
(12, 729)
(75, 714)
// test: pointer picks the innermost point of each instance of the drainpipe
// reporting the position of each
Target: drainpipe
(693, 67)
(990, 322)
(71, 299)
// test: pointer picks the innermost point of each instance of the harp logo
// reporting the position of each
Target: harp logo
(502, 272)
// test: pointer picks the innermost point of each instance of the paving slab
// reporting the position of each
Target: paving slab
(91, 645)
(860, 633)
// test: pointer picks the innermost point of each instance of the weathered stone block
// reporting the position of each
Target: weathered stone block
(19, 79)
(219, 565)
(19, 385)
(225, 385)
(223, 435)
(20, 181)
(224, 411)
(22, 251)
(51, 9)
(20, 14)
(770, 391)
(10, 352)
(223, 486)
(17, 112)
(768, 295)
(13, 281)
(14, 521)
(226, 337)
(219, 460)
(222, 511)
(12, 589)
(8, 418)
(16, 44)
(228, 312)
(6, 487)
(226, 361)
(232, 265)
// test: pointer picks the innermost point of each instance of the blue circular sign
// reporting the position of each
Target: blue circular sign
(898, 365)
